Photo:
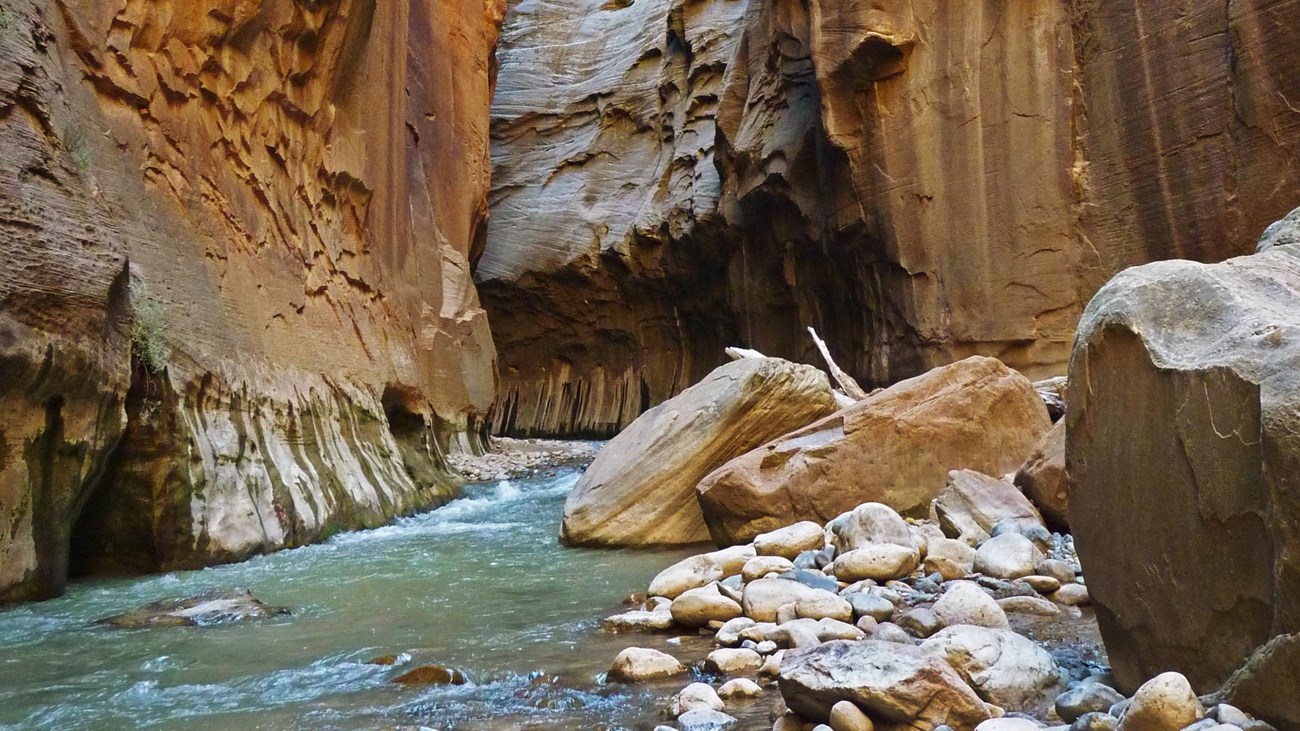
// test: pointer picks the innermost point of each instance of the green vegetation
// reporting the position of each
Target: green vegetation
(78, 146)
(148, 337)
(8, 19)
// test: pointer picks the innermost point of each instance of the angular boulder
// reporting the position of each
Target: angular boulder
(1042, 479)
(972, 503)
(895, 684)
(218, 607)
(640, 490)
(895, 447)
(1184, 466)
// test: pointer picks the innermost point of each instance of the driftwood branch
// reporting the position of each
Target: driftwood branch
(850, 386)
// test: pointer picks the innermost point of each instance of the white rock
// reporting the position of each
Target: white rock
(700, 570)
(764, 597)
(966, 603)
(740, 688)
(733, 661)
(846, 716)
(879, 562)
(1008, 556)
(698, 607)
(639, 621)
(791, 541)
(1072, 595)
(1009, 724)
(694, 696)
(823, 605)
(1005, 668)
(760, 566)
(867, 524)
(641, 663)
(729, 633)
(1164, 703)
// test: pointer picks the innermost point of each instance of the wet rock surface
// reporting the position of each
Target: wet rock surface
(203, 610)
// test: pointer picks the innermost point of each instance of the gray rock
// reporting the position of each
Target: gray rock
(1095, 722)
(705, 720)
(921, 622)
(871, 605)
(1008, 556)
(1281, 233)
(806, 560)
(1057, 569)
(813, 579)
(224, 606)
(1035, 532)
(695, 696)
(1005, 668)
(1084, 699)
(965, 602)
(890, 632)
(884, 679)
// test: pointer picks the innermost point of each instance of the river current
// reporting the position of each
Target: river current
(480, 584)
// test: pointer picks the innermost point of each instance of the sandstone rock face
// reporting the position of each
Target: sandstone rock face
(1183, 457)
(918, 180)
(895, 447)
(1043, 479)
(641, 487)
(235, 304)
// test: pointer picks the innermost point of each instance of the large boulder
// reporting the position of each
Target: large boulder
(895, 447)
(895, 684)
(641, 487)
(1184, 466)
(1042, 479)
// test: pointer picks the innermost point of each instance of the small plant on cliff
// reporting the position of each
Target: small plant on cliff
(148, 340)
(8, 19)
(78, 147)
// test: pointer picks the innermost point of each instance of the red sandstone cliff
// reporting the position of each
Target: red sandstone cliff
(235, 304)
(918, 180)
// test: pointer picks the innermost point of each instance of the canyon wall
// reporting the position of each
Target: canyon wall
(236, 311)
(920, 181)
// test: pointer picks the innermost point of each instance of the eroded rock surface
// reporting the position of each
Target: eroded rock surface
(1183, 457)
(918, 180)
(895, 448)
(641, 487)
(235, 304)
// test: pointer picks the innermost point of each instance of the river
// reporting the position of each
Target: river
(480, 584)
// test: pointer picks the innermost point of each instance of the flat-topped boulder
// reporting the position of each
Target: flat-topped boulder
(221, 606)
(640, 490)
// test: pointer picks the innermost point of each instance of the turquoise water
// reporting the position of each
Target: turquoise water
(480, 584)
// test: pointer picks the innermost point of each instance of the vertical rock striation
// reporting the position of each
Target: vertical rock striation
(920, 181)
(235, 304)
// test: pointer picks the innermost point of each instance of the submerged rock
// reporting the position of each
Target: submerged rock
(224, 606)
(431, 675)
(641, 487)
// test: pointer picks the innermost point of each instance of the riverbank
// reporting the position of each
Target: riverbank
(510, 458)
